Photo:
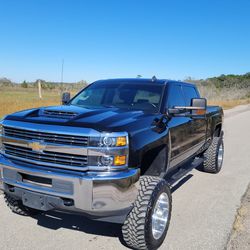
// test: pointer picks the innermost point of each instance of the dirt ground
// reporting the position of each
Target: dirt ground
(240, 237)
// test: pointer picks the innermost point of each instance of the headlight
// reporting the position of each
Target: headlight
(119, 141)
(109, 140)
(109, 150)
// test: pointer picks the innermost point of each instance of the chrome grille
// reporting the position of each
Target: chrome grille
(46, 137)
(26, 154)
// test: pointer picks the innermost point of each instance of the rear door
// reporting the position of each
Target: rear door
(197, 125)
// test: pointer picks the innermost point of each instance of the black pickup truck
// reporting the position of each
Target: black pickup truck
(110, 153)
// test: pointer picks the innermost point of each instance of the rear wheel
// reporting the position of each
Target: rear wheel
(17, 207)
(213, 156)
(146, 225)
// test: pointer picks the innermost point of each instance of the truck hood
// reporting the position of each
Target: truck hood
(106, 119)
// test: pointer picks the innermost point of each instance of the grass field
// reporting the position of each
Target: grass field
(227, 104)
(15, 99)
(12, 100)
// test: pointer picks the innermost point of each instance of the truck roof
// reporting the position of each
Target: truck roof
(143, 81)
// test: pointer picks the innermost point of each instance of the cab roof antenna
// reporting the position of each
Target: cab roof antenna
(154, 79)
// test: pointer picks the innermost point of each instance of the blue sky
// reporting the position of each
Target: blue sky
(123, 38)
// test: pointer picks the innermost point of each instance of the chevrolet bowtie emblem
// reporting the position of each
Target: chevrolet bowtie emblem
(36, 146)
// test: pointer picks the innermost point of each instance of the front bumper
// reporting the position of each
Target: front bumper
(98, 194)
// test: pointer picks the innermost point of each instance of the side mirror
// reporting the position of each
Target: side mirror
(198, 108)
(65, 98)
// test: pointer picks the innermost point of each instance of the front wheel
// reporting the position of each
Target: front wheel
(17, 207)
(147, 224)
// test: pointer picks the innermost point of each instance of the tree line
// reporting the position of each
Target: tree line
(46, 85)
(219, 83)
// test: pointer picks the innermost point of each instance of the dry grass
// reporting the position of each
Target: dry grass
(12, 100)
(15, 99)
(227, 104)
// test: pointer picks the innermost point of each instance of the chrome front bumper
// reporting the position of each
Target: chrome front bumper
(92, 192)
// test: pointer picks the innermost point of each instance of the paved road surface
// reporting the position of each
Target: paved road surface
(204, 207)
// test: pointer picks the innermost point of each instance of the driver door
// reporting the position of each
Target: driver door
(179, 127)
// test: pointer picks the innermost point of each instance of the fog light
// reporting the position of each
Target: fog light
(121, 141)
(120, 160)
(106, 160)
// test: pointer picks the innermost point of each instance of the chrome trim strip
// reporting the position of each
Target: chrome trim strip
(48, 164)
(48, 147)
(100, 151)
(66, 167)
(17, 132)
(186, 154)
(59, 148)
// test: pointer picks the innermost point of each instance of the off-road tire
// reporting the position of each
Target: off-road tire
(137, 229)
(210, 164)
(17, 207)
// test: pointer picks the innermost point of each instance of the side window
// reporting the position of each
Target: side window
(189, 93)
(175, 97)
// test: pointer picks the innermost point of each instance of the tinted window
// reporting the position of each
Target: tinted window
(176, 97)
(189, 93)
(145, 97)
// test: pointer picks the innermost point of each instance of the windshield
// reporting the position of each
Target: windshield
(146, 97)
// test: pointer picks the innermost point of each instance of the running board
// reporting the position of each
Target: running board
(182, 171)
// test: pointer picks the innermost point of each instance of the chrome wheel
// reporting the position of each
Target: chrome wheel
(160, 216)
(220, 155)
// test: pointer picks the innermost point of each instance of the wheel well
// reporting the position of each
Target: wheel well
(217, 130)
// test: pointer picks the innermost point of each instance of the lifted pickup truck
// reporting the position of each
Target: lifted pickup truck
(110, 153)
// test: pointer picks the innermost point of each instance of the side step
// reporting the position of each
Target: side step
(182, 171)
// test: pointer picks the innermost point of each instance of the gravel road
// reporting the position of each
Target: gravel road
(204, 207)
